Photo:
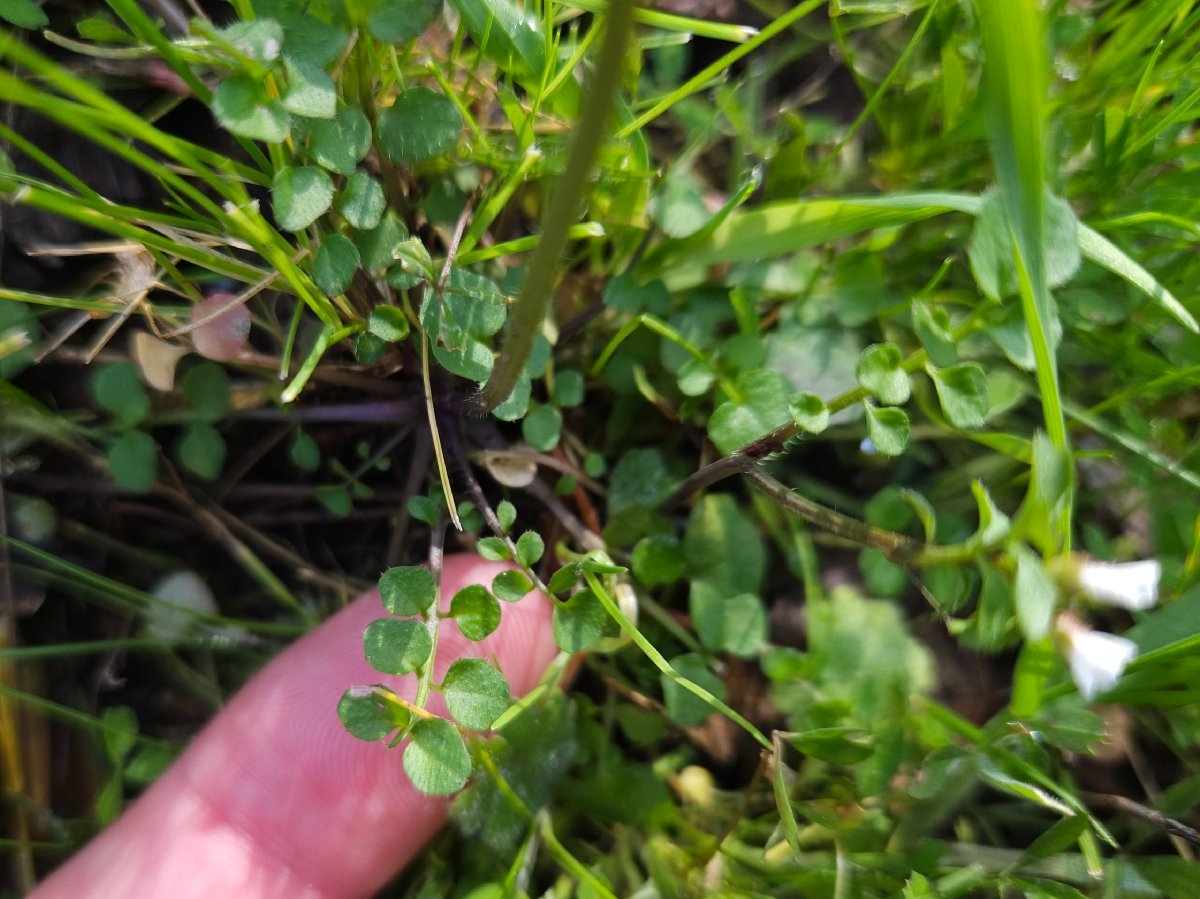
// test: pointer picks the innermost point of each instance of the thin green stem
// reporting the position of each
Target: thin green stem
(434, 619)
(659, 661)
(896, 547)
(718, 31)
(567, 860)
(81, 719)
(545, 827)
(496, 201)
(141, 25)
(436, 437)
(720, 67)
(876, 98)
(581, 231)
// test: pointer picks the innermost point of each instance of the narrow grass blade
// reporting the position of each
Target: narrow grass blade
(1100, 250)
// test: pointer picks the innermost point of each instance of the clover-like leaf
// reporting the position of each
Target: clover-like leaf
(206, 388)
(761, 407)
(658, 559)
(963, 393)
(568, 388)
(881, 576)
(308, 37)
(367, 716)
(880, 371)
(407, 590)
(932, 325)
(398, 21)
(133, 461)
(640, 478)
(888, 429)
(695, 378)
(413, 262)
(310, 91)
(377, 247)
(361, 201)
(991, 253)
(542, 427)
(436, 759)
(530, 547)
(475, 611)
(476, 693)
(300, 195)
(565, 578)
(493, 549)
(257, 39)
(388, 323)
(368, 349)
(511, 585)
(396, 647)
(735, 624)
(201, 450)
(241, 104)
(722, 544)
(338, 144)
(335, 498)
(810, 412)
(506, 513)
(677, 206)
(304, 452)
(473, 360)
(421, 124)
(334, 263)
(580, 622)
(118, 389)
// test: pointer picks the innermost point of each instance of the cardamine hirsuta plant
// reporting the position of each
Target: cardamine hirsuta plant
(817, 376)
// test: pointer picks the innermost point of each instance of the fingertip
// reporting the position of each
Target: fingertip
(275, 798)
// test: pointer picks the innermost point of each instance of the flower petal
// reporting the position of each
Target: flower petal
(1096, 659)
(1128, 585)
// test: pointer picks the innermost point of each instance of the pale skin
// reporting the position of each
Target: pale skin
(274, 798)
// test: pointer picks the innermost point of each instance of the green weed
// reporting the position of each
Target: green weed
(829, 373)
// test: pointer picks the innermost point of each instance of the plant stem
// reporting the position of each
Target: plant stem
(896, 547)
(433, 622)
(660, 662)
(528, 312)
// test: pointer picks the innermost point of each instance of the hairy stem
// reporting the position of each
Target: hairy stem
(527, 313)
(896, 547)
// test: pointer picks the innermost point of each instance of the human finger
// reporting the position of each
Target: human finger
(274, 798)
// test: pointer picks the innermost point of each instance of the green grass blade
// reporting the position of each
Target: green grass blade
(778, 229)
(1137, 447)
(101, 217)
(1015, 51)
(660, 662)
(720, 67)
(1100, 250)
(717, 31)
(139, 23)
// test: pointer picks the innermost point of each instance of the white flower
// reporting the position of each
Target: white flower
(1096, 659)
(1130, 585)
(181, 596)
